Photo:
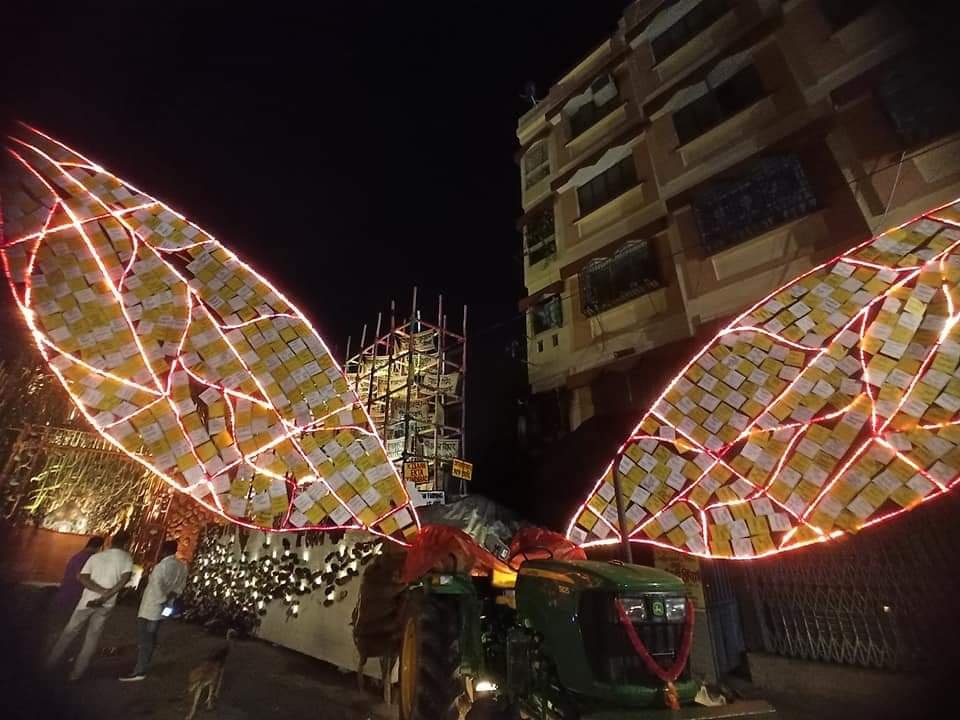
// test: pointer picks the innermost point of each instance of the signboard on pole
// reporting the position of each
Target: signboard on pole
(447, 449)
(423, 342)
(434, 497)
(686, 568)
(416, 472)
(462, 469)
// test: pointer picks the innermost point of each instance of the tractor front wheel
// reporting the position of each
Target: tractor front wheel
(430, 659)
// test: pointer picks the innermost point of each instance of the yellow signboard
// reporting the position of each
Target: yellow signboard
(462, 469)
(416, 472)
(684, 567)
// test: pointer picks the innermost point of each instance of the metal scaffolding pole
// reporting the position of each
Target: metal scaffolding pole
(413, 387)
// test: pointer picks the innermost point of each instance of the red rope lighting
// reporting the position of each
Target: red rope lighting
(829, 406)
(667, 675)
(185, 358)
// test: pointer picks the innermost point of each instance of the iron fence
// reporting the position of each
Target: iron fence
(886, 598)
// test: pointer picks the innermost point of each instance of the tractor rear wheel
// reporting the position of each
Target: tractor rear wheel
(429, 659)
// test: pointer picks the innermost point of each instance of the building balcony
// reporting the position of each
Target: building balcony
(589, 344)
(728, 23)
(582, 230)
(633, 307)
(827, 51)
(619, 119)
(778, 111)
(717, 285)
(894, 181)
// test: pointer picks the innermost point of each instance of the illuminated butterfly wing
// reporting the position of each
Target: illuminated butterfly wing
(831, 405)
(180, 354)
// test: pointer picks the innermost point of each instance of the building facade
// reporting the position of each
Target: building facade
(698, 158)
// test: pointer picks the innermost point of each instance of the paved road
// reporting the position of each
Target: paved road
(261, 680)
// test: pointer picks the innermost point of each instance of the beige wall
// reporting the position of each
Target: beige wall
(818, 105)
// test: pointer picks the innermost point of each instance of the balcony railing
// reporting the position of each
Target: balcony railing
(610, 281)
(775, 191)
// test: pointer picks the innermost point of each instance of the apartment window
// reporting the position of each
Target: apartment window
(920, 103)
(547, 314)
(775, 190)
(608, 185)
(539, 345)
(536, 164)
(718, 104)
(556, 340)
(700, 17)
(610, 281)
(540, 235)
(604, 99)
(840, 13)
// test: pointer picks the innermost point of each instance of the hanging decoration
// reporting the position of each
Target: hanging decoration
(236, 588)
(74, 481)
(29, 394)
(831, 405)
(183, 357)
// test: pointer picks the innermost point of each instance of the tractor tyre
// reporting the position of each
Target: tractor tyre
(430, 659)
(378, 615)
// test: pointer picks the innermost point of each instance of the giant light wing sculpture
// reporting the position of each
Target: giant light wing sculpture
(831, 405)
(185, 358)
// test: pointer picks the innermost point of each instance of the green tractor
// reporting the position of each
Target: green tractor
(557, 639)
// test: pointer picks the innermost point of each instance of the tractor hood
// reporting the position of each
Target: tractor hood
(597, 575)
(570, 605)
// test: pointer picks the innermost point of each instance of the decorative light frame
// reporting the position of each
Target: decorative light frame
(57, 197)
(910, 254)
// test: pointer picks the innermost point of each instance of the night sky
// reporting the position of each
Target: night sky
(348, 150)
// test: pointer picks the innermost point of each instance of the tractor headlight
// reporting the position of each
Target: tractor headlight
(676, 608)
(636, 608)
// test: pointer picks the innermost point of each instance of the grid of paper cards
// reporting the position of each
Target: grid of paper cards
(184, 357)
(830, 406)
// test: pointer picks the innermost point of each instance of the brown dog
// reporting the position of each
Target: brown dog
(208, 676)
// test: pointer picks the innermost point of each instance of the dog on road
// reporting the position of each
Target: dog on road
(208, 676)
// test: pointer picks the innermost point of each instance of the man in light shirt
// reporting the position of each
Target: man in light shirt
(166, 582)
(102, 576)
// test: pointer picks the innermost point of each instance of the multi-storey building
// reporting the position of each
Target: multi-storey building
(705, 153)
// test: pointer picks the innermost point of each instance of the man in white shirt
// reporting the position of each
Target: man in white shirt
(102, 576)
(166, 582)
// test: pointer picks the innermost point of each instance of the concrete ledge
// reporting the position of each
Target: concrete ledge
(752, 709)
(835, 682)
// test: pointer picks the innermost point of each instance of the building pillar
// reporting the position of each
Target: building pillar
(581, 406)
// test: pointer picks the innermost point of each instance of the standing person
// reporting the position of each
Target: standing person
(68, 595)
(102, 576)
(166, 582)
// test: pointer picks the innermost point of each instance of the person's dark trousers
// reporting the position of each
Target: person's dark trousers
(146, 642)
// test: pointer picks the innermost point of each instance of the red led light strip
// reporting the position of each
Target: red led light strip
(898, 282)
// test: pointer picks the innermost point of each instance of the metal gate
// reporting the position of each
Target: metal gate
(886, 598)
(723, 615)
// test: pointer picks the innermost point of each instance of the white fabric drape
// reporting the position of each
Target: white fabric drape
(610, 158)
(663, 21)
(723, 71)
(606, 92)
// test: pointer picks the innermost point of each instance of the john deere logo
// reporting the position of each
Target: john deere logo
(658, 608)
